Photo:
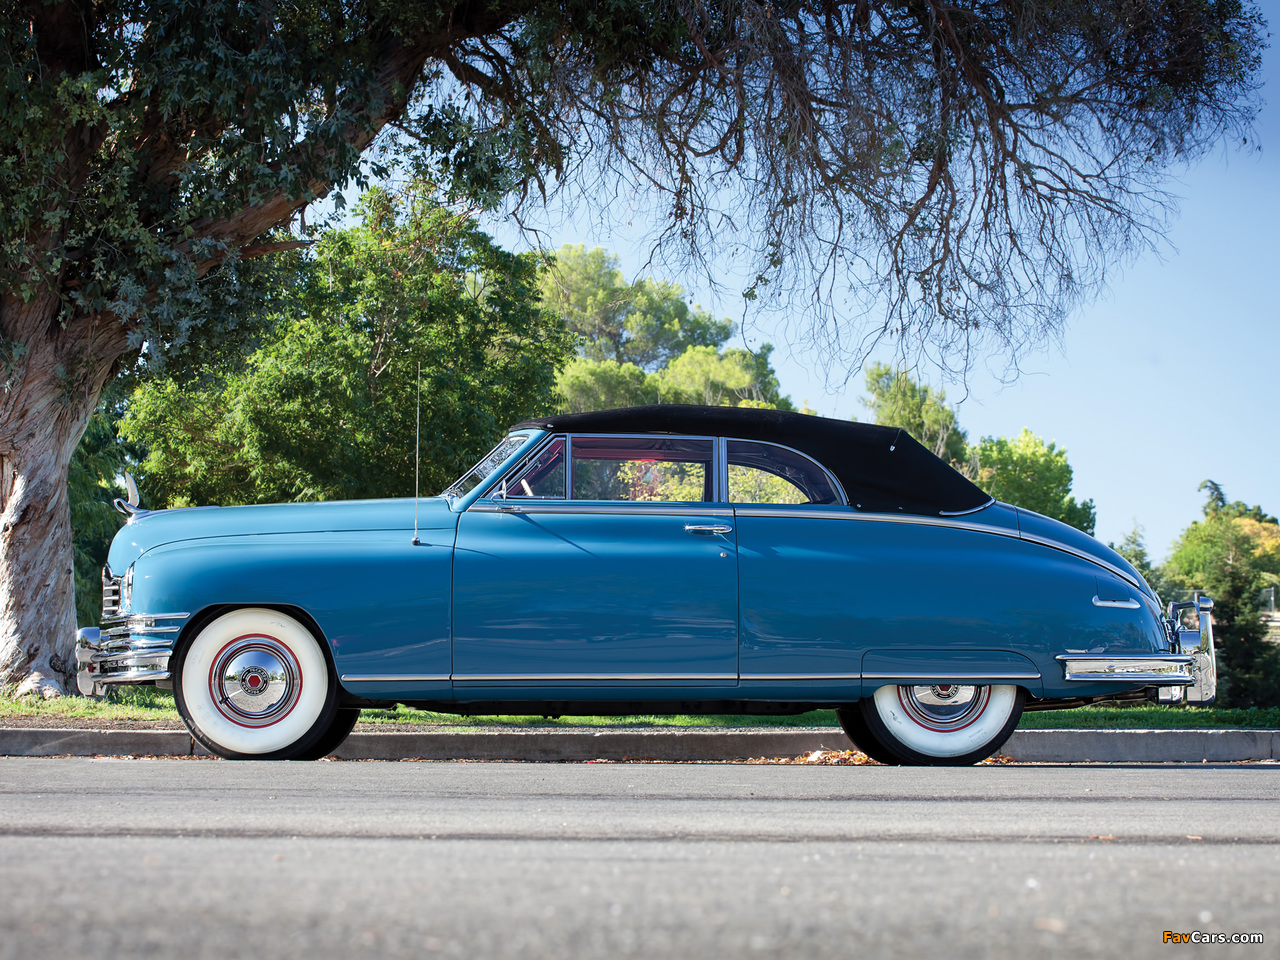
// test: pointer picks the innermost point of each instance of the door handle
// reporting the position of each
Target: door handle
(708, 528)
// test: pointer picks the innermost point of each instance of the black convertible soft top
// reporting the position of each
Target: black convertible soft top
(882, 469)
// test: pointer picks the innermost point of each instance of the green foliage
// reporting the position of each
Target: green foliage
(1029, 473)
(1023, 471)
(131, 129)
(1134, 549)
(1229, 555)
(586, 385)
(325, 408)
(93, 485)
(640, 343)
(646, 323)
(898, 401)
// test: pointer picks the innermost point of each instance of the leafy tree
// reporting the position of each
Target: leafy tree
(1223, 555)
(326, 407)
(641, 343)
(970, 168)
(585, 385)
(1134, 549)
(1030, 473)
(898, 401)
(93, 486)
(1024, 471)
(646, 322)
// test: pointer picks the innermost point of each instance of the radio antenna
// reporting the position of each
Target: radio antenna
(417, 454)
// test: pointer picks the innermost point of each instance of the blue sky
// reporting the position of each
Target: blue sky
(1172, 377)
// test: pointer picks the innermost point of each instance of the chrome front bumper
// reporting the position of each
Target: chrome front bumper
(1187, 674)
(131, 649)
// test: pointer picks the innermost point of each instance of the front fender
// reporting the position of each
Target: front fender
(381, 602)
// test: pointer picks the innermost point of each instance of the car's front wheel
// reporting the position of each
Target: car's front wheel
(940, 724)
(255, 684)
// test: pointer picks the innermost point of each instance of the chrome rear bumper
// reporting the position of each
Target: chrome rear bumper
(1164, 668)
(132, 649)
(1187, 674)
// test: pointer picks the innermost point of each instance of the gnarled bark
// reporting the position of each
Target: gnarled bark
(53, 379)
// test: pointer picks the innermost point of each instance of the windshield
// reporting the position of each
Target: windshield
(489, 463)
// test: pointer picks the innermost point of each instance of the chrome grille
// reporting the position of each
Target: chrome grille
(110, 593)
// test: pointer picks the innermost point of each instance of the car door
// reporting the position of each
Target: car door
(798, 623)
(602, 561)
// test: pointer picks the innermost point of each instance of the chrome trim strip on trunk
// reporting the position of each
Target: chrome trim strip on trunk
(1165, 669)
(849, 513)
(1058, 545)
(827, 513)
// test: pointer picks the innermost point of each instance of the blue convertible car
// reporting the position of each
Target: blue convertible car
(656, 559)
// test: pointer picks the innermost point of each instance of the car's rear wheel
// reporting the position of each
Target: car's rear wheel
(255, 684)
(941, 724)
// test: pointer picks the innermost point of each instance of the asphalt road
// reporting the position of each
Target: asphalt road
(197, 858)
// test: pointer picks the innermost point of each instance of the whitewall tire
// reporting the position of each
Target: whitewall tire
(943, 724)
(255, 683)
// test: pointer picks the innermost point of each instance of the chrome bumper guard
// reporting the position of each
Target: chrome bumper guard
(1198, 644)
(1187, 674)
(133, 649)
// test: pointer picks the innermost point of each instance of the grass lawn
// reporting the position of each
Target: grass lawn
(148, 703)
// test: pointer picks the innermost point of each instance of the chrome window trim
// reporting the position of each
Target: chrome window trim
(523, 462)
(462, 503)
(568, 467)
(962, 513)
(831, 477)
(721, 478)
(604, 507)
(486, 504)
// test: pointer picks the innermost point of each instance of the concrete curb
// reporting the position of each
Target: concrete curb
(1031, 746)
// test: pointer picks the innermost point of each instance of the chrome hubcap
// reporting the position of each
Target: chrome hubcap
(944, 706)
(255, 681)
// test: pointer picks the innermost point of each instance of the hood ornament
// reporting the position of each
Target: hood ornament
(130, 506)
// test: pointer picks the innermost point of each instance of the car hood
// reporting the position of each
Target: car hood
(148, 530)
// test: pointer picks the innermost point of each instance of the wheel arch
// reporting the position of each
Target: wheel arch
(207, 614)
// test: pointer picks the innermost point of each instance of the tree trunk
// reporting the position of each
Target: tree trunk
(55, 373)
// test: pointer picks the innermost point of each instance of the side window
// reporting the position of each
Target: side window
(766, 473)
(543, 478)
(642, 468)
